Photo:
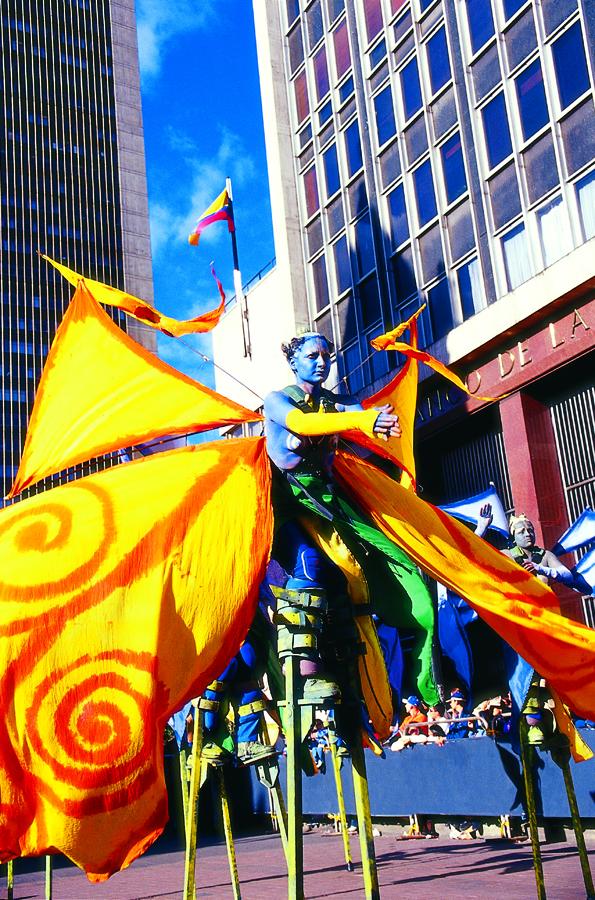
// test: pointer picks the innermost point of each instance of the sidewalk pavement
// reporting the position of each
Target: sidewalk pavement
(438, 869)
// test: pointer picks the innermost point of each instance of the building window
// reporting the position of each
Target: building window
(293, 10)
(453, 168)
(554, 230)
(481, 22)
(517, 260)
(342, 265)
(321, 293)
(470, 288)
(334, 9)
(496, 130)
(364, 246)
(438, 60)
(369, 301)
(373, 17)
(346, 90)
(404, 275)
(570, 65)
(353, 149)
(511, 6)
(311, 192)
(424, 193)
(585, 191)
(301, 97)
(440, 309)
(411, 89)
(531, 98)
(331, 171)
(399, 226)
(296, 48)
(342, 54)
(385, 116)
(321, 74)
(314, 25)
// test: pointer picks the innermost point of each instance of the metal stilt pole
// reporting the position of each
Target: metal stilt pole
(192, 812)
(268, 775)
(531, 809)
(293, 727)
(10, 879)
(184, 785)
(231, 853)
(48, 878)
(340, 798)
(364, 821)
(564, 762)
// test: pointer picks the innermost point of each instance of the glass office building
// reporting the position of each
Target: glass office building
(72, 180)
(443, 152)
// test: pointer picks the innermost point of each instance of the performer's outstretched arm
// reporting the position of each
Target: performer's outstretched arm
(373, 422)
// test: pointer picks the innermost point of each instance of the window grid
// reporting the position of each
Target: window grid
(534, 209)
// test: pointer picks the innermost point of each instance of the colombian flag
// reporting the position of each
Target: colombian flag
(221, 208)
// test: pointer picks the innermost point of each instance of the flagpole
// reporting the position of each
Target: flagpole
(237, 282)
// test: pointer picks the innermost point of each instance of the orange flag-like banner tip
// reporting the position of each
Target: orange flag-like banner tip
(384, 341)
(100, 391)
(142, 310)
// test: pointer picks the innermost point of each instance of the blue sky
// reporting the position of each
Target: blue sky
(203, 122)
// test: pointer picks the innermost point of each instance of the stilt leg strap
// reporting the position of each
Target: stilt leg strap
(255, 707)
(211, 705)
(297, 618)
(216, 685)
(306, 599)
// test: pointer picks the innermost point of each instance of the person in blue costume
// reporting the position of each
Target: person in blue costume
(302, 425)
(238, 684)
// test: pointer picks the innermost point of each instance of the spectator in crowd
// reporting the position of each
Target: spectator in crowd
(318, 744)
(413, 729)
(499, 724)
(458, 727)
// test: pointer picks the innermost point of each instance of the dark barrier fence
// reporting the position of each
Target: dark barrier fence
(470, 777)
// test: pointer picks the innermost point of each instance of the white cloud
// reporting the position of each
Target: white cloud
(159, 22)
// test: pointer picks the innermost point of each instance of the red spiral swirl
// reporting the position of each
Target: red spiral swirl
(94, 728)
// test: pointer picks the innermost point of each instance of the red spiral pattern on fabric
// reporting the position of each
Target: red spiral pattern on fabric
(97, 744)
(29, 531)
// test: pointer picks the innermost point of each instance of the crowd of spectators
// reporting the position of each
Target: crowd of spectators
(439, 724)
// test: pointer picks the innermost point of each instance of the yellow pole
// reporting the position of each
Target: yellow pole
(531, 809)
(10, 879)
(364, 820)
(340, 798)
(192, 812)
(231, 853)
(293, 728)
(48, 878)
(184, 786)
(564, 763)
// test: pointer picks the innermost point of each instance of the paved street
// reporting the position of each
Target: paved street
(416, 869)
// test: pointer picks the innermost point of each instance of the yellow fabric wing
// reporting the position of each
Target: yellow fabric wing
(140, 309)
(101, 391)
(123, 594)
(517, 605)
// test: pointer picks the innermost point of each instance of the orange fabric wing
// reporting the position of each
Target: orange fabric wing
(513, 602)
(142, 310)
(101, 391)
(122, 595)
(401, 393)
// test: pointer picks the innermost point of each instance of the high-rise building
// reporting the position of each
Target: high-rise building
(72, 180)
(443, 152)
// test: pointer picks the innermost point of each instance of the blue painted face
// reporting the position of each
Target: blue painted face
(312, 362)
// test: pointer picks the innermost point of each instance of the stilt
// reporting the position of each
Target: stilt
(293, 728)
(268, 775)
(364, 821)
(340, 796)
(562, 758)
(184, 784)
(10, 879)
(526, 751)
(48, 878)
(231, 853)
(192, 812)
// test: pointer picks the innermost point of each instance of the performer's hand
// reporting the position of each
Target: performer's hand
(387, 424)
(484, 520)
(530, 566)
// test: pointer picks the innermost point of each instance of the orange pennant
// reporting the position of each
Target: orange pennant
(142, 310)
(100, 391)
